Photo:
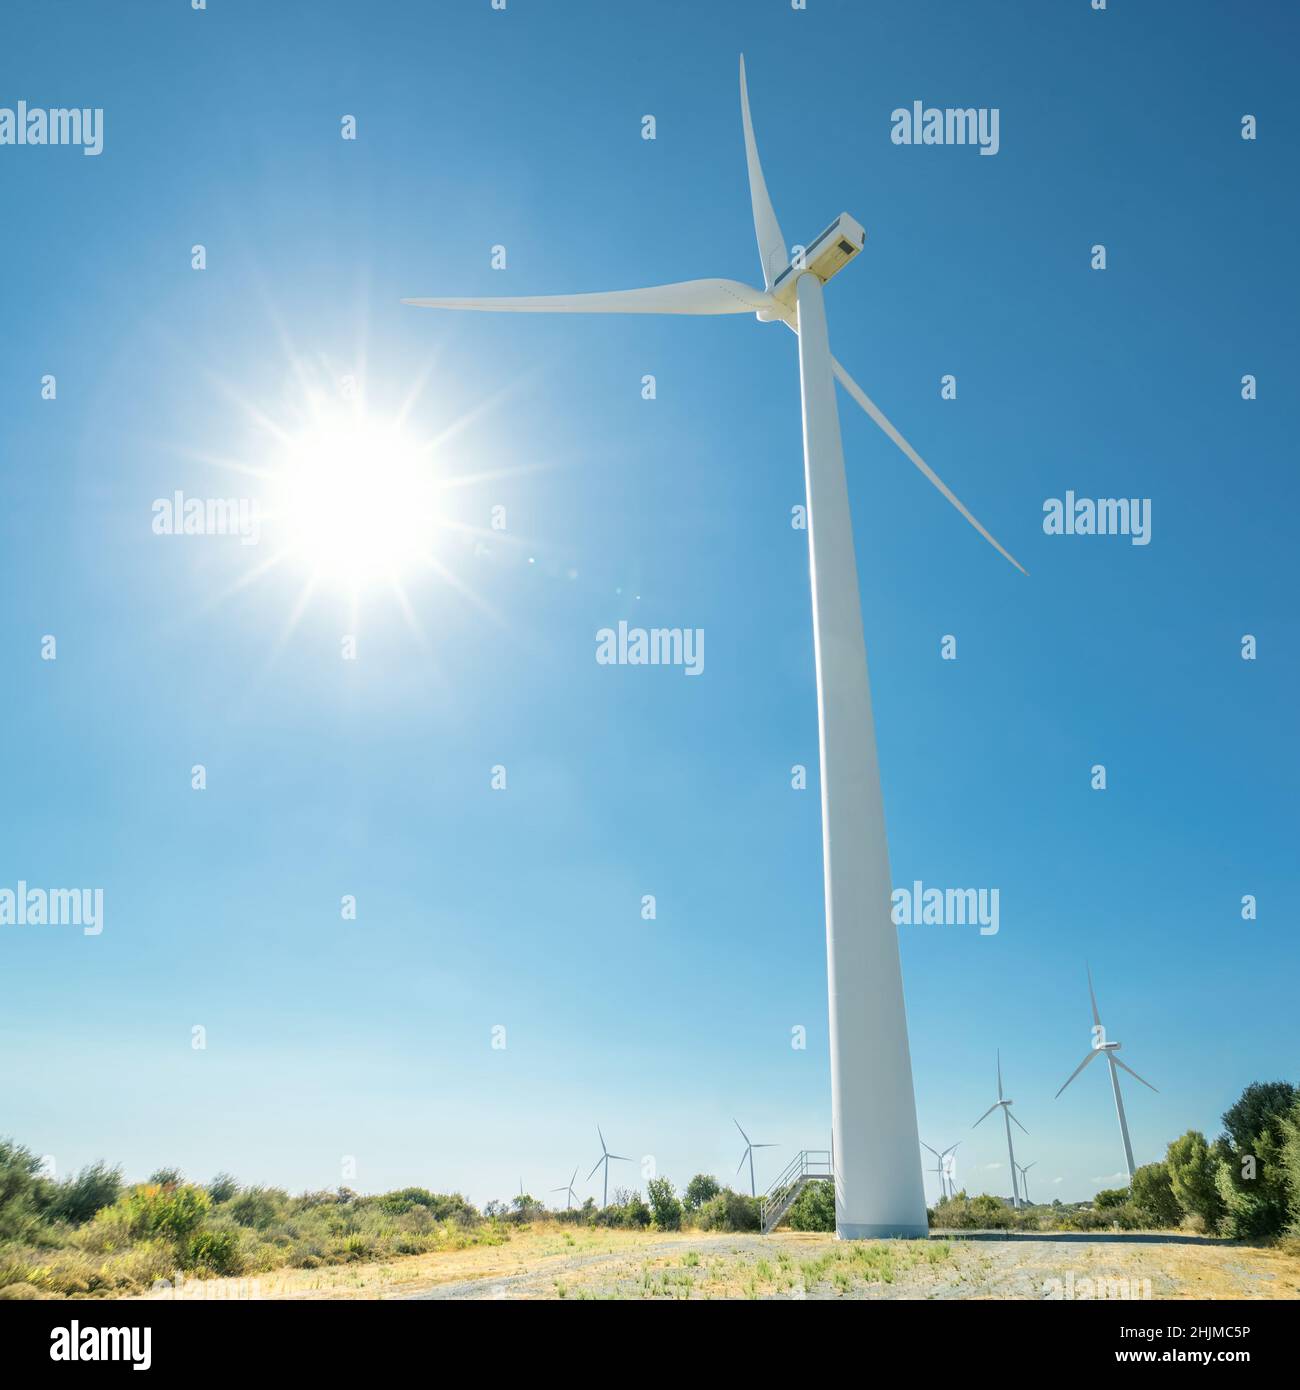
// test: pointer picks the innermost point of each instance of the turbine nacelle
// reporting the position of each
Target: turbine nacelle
(827, 255)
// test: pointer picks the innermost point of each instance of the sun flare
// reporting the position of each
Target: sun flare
(359, 501)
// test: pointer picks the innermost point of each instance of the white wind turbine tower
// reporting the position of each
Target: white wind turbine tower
(568, 1187)
(1024, 1180)
(878, 1187)
(749, 1154)
(606, 1158)
(943, 1166)
(1007, 1117)
(1101, 1045)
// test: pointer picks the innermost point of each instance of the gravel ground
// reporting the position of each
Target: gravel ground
(552, 1262)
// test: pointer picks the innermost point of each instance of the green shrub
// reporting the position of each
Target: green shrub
(173, 1212)
(77, 1200)
(729, 1211)
(701, 1188)
(1153, 1196)
(217, 1251)
(1193, 1178)
(256, 1207)
(1110, 1197)
(223, 1187)
(813, 1208)
(664, 1205)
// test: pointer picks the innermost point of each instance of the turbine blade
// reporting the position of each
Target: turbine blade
(599, 1161)
(683, 297)
(1096, 1017)
(764, 1146)
(935, 1152)
(1093, 1053)
(987, 1113)
(1132, 1073)
(999, 1073)
(743, 1157)
(743, 1135)
(1016, 1121)
(947, 1151)
(622, 1158)
(879, 417)
(771, 244)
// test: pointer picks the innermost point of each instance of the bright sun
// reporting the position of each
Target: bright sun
(359, 502)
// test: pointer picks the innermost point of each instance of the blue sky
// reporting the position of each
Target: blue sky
(521, 908)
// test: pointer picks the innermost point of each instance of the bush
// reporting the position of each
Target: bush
(701, 1188)
(217, 1251)
(1192, 1177)
(174, 1212)
(441, 1206)
(729, 1211)
(77, 1200)
(1110, 1197)
(223, 1187)
(256, 1207)
(1153, 1196)
(813, 1208)
(630, 1213)
(666, 1208)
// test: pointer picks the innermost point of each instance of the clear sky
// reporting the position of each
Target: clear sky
(521, 908)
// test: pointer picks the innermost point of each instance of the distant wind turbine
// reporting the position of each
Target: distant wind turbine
(606, 1157)
(878, 1182)
(1024, 1179)
(1101, 1045)
(569, 1189)
(1007, 1116)
(749, 1154)
(943, 1167)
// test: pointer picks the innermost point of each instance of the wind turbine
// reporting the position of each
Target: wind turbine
(1007, 1116)
(943, 1168)
(572, 1197)
(1101, 1045)
(750, 1146)
(878, 1186)
(1024, 1180)
(605, 1158)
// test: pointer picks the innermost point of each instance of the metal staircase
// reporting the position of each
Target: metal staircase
(811, 1165)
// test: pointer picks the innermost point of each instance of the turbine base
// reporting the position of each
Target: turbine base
(852, 1231)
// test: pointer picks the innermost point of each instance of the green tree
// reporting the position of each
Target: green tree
(664, 1204)
(1110, 1197)
(1261, 1109)
(1153, 1196)
(1192, 1176)
(1253, 1187)
(166, 1177)
(1290, 1162)
(701, 1188)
